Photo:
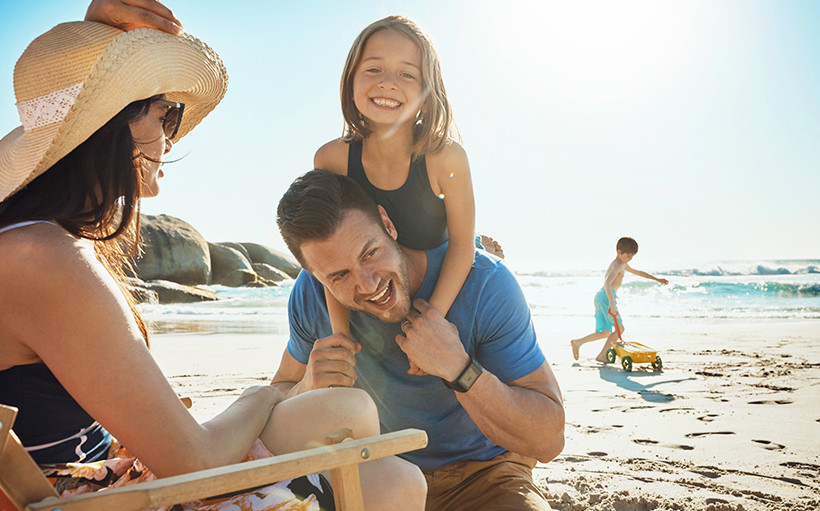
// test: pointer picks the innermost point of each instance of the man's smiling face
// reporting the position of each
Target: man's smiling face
(363, 267)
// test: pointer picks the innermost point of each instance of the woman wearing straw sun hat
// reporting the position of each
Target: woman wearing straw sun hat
(99, 110)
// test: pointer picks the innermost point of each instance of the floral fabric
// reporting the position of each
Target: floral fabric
(122, 469)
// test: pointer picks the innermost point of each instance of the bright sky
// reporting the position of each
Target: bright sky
(693, 126)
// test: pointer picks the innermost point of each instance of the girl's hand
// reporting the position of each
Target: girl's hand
(133, 14)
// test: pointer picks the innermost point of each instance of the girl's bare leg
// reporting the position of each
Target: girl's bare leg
(305, 421)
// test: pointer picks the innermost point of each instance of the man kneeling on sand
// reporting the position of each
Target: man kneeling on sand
(489, 401)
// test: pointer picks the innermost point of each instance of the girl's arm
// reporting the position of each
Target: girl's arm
(451, 174)
(339, 315)
(332, 156)
(60, 304)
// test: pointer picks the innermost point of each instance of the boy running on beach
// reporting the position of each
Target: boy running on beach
(605, 300)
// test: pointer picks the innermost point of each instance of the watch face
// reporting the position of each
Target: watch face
(467, 378)
(470, 376)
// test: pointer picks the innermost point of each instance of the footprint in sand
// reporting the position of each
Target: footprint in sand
(710, 417)
(570, 459)
(695, 435)
(771, 446)
(772, 402)
(647, 441)
(705, 472)
(596, 453)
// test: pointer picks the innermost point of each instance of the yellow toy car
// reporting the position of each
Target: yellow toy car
(632, 352)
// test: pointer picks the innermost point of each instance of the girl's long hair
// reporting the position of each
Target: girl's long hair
(94, 193)
(435, 127)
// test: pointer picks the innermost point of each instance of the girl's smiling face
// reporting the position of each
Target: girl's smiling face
(150, 140)
(387, 84)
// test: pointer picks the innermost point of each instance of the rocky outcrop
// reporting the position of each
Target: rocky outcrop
(163, 291)
(229, 266)
(173, 250)
(171, 292)
(262, 254)
(176, 258)
(270, 273)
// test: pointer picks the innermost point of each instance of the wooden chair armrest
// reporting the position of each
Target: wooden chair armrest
(240, 476)
(20, 478)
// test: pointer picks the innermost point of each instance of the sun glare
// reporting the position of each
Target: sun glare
(595, 50)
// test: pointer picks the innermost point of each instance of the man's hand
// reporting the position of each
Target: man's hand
(332, 363)
(663, 281)
(133, 14)
(432, 343)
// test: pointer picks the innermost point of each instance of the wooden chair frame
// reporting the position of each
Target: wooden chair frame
(26, 486)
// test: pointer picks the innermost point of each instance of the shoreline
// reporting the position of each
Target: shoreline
(731, 423)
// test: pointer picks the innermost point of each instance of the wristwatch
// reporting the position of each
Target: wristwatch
(467, 377)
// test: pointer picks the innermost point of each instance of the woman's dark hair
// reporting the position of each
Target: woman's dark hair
(93, 193)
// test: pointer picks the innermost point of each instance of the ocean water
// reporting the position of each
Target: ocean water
(562, 293)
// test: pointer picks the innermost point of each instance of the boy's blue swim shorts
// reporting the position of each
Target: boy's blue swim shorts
(603, 321)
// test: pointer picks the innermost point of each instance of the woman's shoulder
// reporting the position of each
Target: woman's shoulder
(43, 249)
(332, 156)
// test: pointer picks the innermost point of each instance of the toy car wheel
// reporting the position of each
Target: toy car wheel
(610, 356)
(626, 362)
(657, 365)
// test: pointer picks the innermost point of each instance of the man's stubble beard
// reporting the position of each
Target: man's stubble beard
(401, 287)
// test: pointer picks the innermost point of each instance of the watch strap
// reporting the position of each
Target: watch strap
(467, 378)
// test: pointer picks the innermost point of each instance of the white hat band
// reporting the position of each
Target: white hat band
(47, 109)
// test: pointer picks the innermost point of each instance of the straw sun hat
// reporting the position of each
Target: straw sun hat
(74, 78)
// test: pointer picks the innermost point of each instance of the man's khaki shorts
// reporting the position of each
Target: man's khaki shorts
(501, 483)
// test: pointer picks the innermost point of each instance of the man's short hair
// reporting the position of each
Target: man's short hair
(627, 245)
(314, 206)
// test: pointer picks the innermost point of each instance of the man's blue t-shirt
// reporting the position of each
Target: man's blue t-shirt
(494, 324)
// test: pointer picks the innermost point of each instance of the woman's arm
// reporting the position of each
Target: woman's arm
(61, 304)
(451, 172)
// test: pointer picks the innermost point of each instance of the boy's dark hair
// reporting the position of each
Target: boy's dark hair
(627, 245)
(314, 205)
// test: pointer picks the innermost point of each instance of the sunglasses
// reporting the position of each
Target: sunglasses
(173, 116)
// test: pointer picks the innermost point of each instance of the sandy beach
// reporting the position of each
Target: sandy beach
(732, 423)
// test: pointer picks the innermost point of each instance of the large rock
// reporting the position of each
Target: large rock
(171, 292)
(269, 273)
(262, 254)
(163, 291)
(173, 250)
(236, 246)
(229, 266)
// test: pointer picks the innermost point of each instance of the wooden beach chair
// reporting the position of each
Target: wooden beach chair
(29, 490)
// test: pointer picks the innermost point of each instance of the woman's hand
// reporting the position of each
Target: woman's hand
(133, 14)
